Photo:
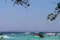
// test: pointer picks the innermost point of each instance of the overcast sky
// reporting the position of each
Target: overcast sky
(17, 18)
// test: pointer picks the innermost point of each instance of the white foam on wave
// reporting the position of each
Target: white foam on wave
(5, 36)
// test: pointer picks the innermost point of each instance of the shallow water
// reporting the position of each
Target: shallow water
(28, 37)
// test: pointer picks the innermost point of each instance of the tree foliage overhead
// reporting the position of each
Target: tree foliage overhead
(53, 16)
(24, 3)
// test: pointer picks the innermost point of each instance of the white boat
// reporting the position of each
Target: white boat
(27, 33)
(36, 32)
(50, 34)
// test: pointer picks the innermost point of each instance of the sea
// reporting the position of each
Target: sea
(26, 36)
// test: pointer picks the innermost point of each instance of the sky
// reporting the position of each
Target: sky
(18, 18)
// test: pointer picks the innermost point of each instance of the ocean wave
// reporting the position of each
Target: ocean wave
(5, 36)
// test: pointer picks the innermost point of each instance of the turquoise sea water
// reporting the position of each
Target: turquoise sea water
(28, 37)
